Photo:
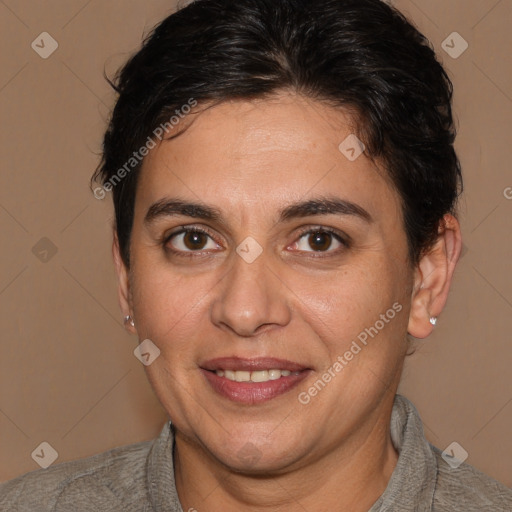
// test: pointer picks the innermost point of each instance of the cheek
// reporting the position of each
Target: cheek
(168, 306)
(341, 304)
(170, 310)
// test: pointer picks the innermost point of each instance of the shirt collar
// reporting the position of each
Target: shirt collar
(160, 473)
(413, 481)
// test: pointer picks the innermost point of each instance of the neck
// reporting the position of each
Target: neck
(350, 476)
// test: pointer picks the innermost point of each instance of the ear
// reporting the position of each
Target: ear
(123, 283)
(433, 277)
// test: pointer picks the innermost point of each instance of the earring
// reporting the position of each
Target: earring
(129, 320)
(433, 320)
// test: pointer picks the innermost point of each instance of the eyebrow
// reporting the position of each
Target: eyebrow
(317, 206)
(324, 206)
(172, 207)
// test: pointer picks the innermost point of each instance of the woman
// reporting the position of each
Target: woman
(285, 190)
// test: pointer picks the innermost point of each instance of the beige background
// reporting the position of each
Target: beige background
(68, 375)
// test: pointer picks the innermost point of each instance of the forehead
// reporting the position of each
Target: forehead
(263, 153)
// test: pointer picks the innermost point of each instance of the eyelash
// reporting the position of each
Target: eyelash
(344, 240)
(306, 231)
(190, 229)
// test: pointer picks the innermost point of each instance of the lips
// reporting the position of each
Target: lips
(252, 381)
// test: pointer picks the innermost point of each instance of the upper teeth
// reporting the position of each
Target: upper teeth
(257, 376)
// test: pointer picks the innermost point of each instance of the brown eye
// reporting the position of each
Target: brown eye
(320, 241)
(194, 240)
(190, 240)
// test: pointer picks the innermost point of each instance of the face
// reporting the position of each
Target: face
(294, 258)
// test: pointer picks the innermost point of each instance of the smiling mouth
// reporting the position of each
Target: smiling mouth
(253, 381)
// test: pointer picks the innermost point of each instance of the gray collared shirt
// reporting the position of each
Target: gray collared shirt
(140, 478)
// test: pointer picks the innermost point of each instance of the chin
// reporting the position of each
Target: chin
(253, 457)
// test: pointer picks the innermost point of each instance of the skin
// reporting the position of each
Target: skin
(250, 159)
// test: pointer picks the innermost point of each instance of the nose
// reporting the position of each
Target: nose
(250, 299)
